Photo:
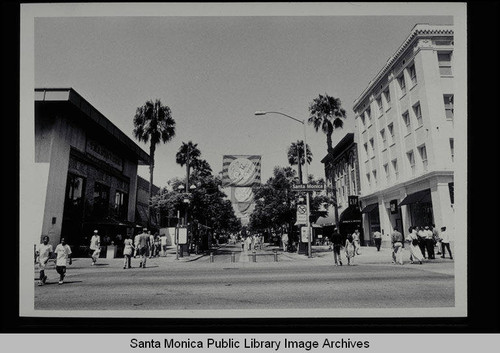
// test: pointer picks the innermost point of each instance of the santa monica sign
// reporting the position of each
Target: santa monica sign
(308, 187)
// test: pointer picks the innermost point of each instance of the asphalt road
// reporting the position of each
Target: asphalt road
(243, 284)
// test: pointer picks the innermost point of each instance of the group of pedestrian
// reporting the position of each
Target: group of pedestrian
(351, 246)
(45, 252)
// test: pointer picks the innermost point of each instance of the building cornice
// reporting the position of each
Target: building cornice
(418, 31)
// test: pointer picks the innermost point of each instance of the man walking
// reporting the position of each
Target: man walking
(429, 242)
(357, 244)
(95, 247)
(337, 245)
(43, 252)
(143, 247)
(63, 253)
(397, 247)
(377, 237)
(445, 243)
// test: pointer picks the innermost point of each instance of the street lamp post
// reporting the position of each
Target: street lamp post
(303, 122)
(185, 200)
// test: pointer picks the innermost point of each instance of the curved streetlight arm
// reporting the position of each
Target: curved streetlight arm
(259, 112)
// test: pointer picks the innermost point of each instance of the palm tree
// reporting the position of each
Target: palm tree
(153, 123)
(296, 153)
(188, 155)
(326, 114)
(202, 167)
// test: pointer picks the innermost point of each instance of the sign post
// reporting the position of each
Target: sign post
(307, 188)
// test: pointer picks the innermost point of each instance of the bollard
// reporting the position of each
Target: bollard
(254, 256)
(275, 256)
(233, 257)
(211, 257)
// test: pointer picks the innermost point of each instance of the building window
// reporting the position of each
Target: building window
(387, 96)
(452, 149)
(362, 116)
(380, 106)
(390, 128)
(368, 180)
(121, 204)
(101, 200)
(413, 75)
(448, 106)
(75, 189)
(444, 60)
(418, 114)
(366, 150)
(372, 145)
(384, 139)
(423, 156)
(386, 171)
(407, 122)
(353, 180)
(411, 161)
(402, 84)
(395, 168)
(368, 115)
(374, 173)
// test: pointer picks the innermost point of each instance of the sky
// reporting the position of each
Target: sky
(214, 72)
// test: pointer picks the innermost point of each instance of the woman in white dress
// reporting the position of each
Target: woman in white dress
(415, 252)
(350, 249)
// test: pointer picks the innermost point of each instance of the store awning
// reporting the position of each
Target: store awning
(369, 208)
(420, 196)
(350, 215)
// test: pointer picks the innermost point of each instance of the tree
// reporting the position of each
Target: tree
(326, 114)
(296, 153)
(188, 156)
(153, 123)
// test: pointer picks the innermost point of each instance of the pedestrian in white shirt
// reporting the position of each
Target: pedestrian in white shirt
(95, 246)
(44, 252)
(63, 254)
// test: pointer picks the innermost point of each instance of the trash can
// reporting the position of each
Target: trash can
(111, 252)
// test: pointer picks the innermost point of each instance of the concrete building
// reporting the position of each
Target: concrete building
(142, 201)
(404, 133)
(343, 183)
(92, 179)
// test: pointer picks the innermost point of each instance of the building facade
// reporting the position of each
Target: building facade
(404, 132)
(92, 177)
(343, 183)
(142, 202)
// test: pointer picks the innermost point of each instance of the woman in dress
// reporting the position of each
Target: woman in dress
(413, 245)
(350, 249)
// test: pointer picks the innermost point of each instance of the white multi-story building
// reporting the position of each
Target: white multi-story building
(404, 134)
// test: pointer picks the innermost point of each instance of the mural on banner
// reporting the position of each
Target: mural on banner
(240, 170)
(240, 173)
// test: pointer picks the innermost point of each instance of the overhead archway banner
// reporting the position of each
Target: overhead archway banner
(238, 170)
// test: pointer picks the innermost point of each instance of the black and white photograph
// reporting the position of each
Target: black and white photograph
(243, 160)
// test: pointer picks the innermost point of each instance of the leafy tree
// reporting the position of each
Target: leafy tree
(296, 153)
(153, 123)
(188, 156)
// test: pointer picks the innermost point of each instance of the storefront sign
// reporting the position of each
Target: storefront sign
(394, 206)
(353, 201)
(100, 152)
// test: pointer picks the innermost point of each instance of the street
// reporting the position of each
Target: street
(194, 282)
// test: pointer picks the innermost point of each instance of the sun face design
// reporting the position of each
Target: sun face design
(241, 170)
(243, 194)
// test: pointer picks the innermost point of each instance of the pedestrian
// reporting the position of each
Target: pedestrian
(284, 239)
(397, 247)
(63, 254)
(377, 237)
(429, 242)
(357, 244)
(143, 247)
(415, 253)
(421, 240)
(95, 246)
(128, 250)
(136, 245)
(163, 242)
(43, 252)
(151, 247)
(437, 238)
(445, 243)
(350, 248)
(337, 246)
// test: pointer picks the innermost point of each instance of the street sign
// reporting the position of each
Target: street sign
(308, 187)
(301, 214)
(304, 234)
(181, 238)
